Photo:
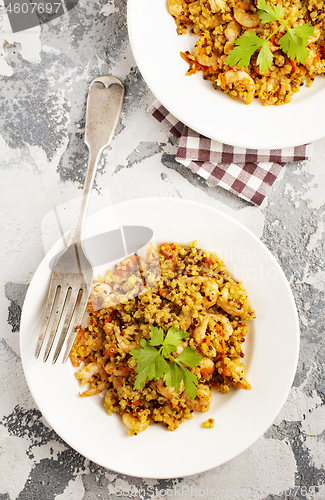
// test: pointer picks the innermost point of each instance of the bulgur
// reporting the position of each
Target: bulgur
(208, 424)
(219, 23)
(175, 286)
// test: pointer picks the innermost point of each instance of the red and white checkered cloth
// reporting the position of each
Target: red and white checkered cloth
(249, 173)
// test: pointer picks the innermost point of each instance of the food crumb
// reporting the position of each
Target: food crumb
(208, 424)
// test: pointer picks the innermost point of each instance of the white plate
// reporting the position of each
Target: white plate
(241, 416)
(156, 48)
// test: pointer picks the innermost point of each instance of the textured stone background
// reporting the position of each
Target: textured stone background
(45, 74)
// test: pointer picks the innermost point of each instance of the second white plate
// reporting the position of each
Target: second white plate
(192, 100)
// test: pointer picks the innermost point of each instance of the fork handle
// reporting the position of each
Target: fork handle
(104, 105)
(94, 156)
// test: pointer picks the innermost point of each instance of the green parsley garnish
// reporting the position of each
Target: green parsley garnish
(153, 364)
(293, 43)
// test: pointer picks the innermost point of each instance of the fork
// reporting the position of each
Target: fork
(72, 274)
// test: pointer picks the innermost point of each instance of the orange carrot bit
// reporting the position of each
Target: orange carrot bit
(168, 252)
(110, 350)
(210, 261)
(75, 360)
(110, 317)
(293, 65)
(195, 67)
(187, 57)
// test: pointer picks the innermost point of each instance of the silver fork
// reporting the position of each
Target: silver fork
(72, 273)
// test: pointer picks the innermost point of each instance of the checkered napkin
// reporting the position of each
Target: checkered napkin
(248, 173)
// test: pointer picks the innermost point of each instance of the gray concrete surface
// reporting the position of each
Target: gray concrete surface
(45, 74)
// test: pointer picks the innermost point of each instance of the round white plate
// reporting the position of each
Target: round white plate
(241, 417)
(156, 47)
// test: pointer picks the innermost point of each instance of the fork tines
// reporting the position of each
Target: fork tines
(64, 302)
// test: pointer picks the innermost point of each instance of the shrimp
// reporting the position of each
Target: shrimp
(236, 372)
(316, 34)
(182, 346)
(123, 337)
(101, 296)
(314, 62)
(185, 320)
(212, 333)
(205, 57)
(245, 16)
(206, 367)
(231, 32)
(117, 371)
(208, 288)
(217, 5)
(241, 81)
(233, 300)
(95, 375)
(117, 374)
(179, 9)
(202, 401)
(168, 392)
(135, 423)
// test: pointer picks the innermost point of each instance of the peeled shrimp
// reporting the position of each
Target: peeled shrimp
(208, 288)
(204, 57)
(101, 296)
(135, 423)
(314, 61)
(233, 300)
(245, 16)
(212, 333)
(242, 82)
(217, 5)
(179, 9)
(185, 320)
(232, 33)
(202, 401)
(124, 337)
(95, 375)
(236, 372)
(206, 367)
(117, 371)
(168, 392)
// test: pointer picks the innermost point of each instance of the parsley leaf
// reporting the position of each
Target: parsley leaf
(173, 377)
(267, 13)
(293, 43)
(189, 357)
(245, 46)
(172, 340)
(304, 31)
(152, 365)
(264, 58)
(157, 336)
(190, 382)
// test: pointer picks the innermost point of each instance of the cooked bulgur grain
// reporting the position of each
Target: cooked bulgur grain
(208, 424)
